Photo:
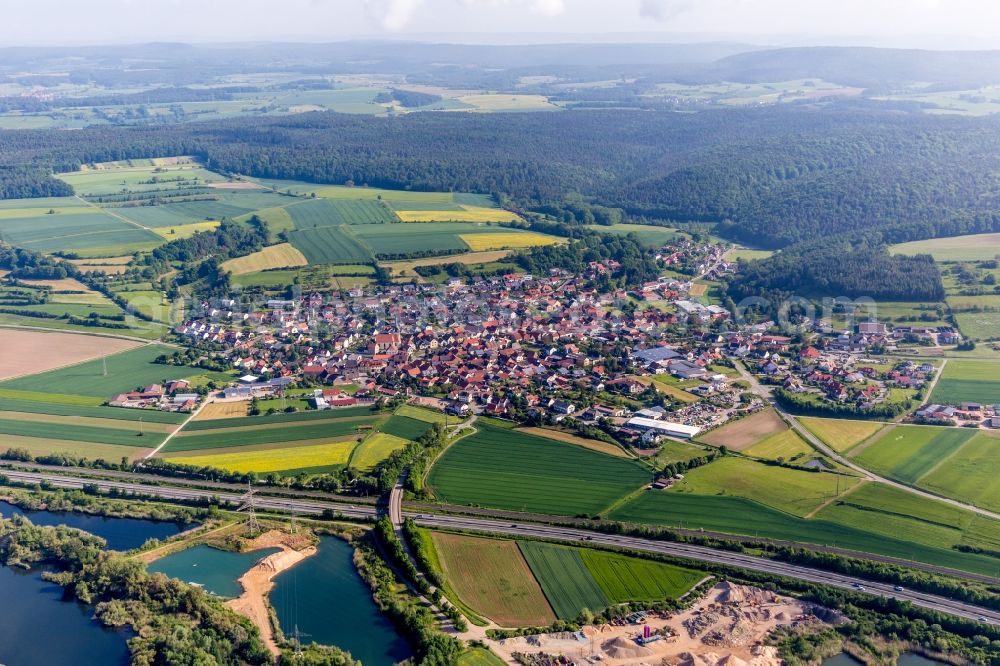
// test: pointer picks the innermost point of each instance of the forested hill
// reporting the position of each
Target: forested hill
(774, 176)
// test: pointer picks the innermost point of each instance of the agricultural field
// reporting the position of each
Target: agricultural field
(19, 350)
(793, 491)
(744, 433)
(71, 225)
(285, 459)
(406, 268)
(746, 254)
(979, 325)
(479, 657)
(125, 371)
(506, 240)
(576, 440)
(976, 247)
(512, 470)
(314, 213)
(405, 427)
(624, 579)
(492, 577)
(737, 515)
(970, 473)
(222, 410)
(781, 446)
(507, 102)
(968, 381)
(463, 214)
(564, 578)
(282, 255)
(840, 434)
(907, 453)
(422, 414)
(276, 433)
(376, 448)
(330, 245)
(672, 452)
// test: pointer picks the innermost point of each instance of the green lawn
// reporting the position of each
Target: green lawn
(512, 470)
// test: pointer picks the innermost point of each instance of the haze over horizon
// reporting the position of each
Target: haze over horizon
(935, 24)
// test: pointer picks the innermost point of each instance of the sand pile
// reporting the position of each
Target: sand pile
(739, 633)
(741, 594)
(623, 648)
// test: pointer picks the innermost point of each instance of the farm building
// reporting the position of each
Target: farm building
(668, 428)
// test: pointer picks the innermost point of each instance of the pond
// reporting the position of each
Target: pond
(326, 598)
(218, 571)
(120, 533)
(27, 627)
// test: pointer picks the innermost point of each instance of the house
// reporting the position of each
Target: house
(562, 407)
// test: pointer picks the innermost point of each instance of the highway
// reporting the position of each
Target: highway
(555, 533)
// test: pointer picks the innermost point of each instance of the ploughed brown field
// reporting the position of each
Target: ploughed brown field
(29, 352)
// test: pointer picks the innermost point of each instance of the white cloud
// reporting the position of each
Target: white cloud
(664, 10)
(393, 15)
(548, 7)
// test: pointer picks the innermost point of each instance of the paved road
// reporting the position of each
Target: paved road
(701, 553)
(765, 393)
(495, 514)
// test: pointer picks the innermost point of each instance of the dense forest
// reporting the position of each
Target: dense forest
(852, 266)
(773, 176)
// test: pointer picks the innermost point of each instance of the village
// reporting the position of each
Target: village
(640, 365)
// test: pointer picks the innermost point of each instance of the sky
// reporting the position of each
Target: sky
(929, 23)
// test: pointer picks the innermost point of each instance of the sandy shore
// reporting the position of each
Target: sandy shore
(258, 581)
(726, 627)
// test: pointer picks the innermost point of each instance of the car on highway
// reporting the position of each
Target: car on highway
(859, 587)
(898, 588)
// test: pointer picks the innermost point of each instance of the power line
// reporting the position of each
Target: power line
(248, 506)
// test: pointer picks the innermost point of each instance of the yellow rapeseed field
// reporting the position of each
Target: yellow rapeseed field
(275, 460)
(503, 240)
(467, 214)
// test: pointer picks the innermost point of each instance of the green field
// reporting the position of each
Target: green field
(976, 247)
(625, 579)
(128, 435)
(422, 414)
(245, 436)
(73, 226)
(511, 470)
(782, 446)
(794, 491)
(281, 417)
(330, 245)
(970, 474)
(125, 372)
(334, 212)
(735, 515)
(840, 434)
(375, 449)
(907, 453)
(968, 381)
(564, 578)
(116, 413)
(405, 427)
(479, 657)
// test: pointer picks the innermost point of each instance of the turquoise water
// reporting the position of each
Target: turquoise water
(326, 598)
(120, 533)
(218, 571)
